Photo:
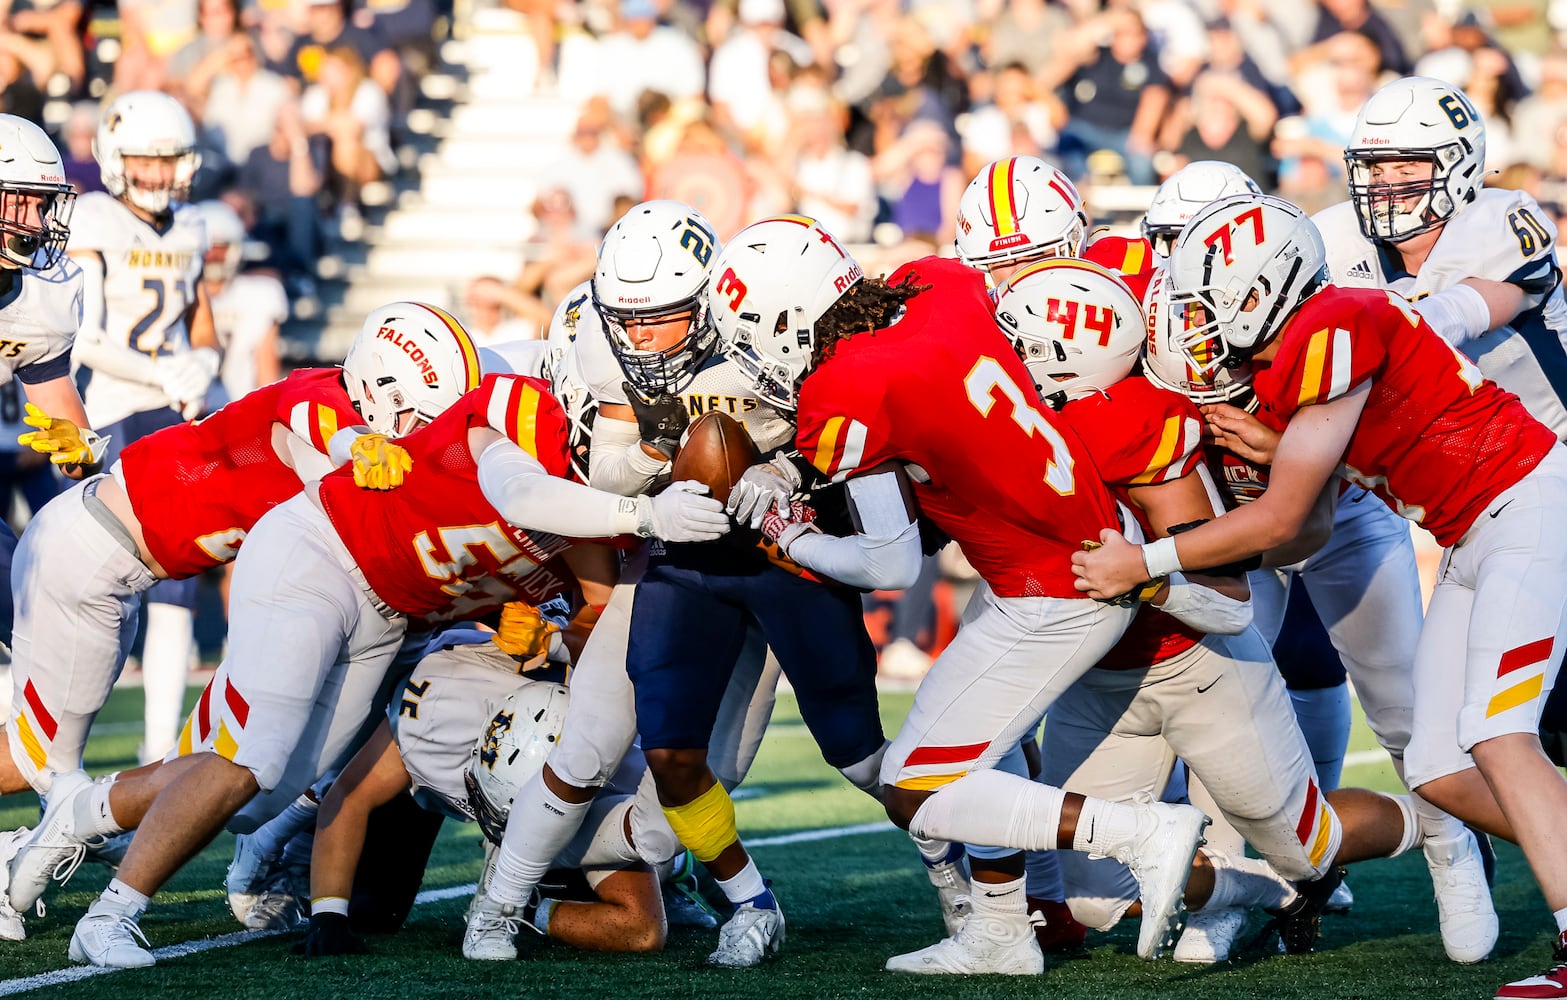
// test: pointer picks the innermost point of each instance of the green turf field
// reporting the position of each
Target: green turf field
(851, 901)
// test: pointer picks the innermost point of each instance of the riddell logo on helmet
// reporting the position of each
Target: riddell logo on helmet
(415, 354)
(841, 283)
(1375, 140)
(1003, 242)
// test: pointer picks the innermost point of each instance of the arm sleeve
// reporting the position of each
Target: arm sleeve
(883, 555)
(1457, 314)
(518, 486)
(616, 461)
(93, 348)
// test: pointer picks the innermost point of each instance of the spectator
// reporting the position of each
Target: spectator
(647, 55)
(217, 21)
(562, 255)
(921, 83)
(1017, 103)
(740, 86)
(1178, 39)
(702, 172)
(594, 171)
(1025, 34)
(53, 22)
(921, 185)
(241, 105)
(1541, 114)
(1117, 96)
(352, 112)
(327, 28)
(151, 31)
(283, 179)
(832, 183)
(1228, 53)
(1337, 16)
(24, 67)
(494, 308)
(1310, 149)
(81, 168)
(1228, 119)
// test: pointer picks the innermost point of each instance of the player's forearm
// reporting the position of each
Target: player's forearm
(340, 838)
(526, 495)
(94, 350)
(617, 462)
(1465, 311)
(864, 561)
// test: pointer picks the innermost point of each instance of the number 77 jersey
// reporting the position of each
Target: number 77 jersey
(942, 392)
(434, 548)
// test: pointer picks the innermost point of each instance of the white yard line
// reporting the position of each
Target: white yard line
(59, 977)
(1360, 757)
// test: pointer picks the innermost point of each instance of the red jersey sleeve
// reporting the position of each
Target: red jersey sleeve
(1132, 259)
(1138, 433)
(315, 406)
(838, 429)
(526, 413)
(1321, 363)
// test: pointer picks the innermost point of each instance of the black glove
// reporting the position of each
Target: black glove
(661, 420)
(329, 935)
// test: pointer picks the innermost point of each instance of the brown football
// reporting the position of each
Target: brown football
(716, 451)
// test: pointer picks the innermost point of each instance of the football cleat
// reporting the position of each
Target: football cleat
(110, 851)
(951, 879)
(1342, 900)
(683, 902)
(1547, 985)
(11, 926)
(55, 850)
(752, 935)
(1463, 900)
(1160, 857)
(492, 931)
(1210, 935)
(1299, 922)
(250, 875)
(1059, 933)
(986, 943)
(108, 937)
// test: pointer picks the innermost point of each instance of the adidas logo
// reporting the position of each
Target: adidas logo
(1360, 270)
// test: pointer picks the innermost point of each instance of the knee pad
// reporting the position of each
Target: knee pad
(651, 836)
(579, 761)
(1098, 890)
(706, 824)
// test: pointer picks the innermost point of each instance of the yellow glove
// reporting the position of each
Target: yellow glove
(378, 463)
(523, 632)
(63, 441)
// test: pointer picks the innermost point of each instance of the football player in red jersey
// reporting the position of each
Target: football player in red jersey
(1366, 388)
(908, 380)
(1157, 693)
(324, 595)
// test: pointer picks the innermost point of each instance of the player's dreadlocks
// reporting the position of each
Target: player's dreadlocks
(871, 304)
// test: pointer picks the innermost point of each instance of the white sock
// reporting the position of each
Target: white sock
(165, 665)
(1324, 716)
(992, 807)
(746, 886)
(1042, 872)
(1242, 881)
(271, 836)
(1412, 828)
(1104, 827)
(1002, 898)
(93, 816)
(1434, 823)
(123, 899)
(539, 827)
(1561, 919)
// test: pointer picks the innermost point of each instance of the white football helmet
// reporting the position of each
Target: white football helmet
(1416, 118)
(1184, 192)
(773, 281)
(408, 357)
(512, 749)
(35, 198)
(1238, 270)
(225, 233)
(1165, 362)
(1076, 326)
(653, 263)
(146, 123)
(1019, 209)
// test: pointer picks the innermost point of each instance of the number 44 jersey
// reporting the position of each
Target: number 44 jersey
(149, 284)
(434, 548)
(942, 392)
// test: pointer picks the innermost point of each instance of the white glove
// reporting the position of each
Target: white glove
(682, 513)
(760, 488)
(185, 377)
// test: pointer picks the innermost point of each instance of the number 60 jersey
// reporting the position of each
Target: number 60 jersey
(942, 392)
(149, 284)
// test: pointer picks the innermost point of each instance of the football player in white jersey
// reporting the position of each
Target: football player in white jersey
(1478, 263)
(147, 332)
(247, 309)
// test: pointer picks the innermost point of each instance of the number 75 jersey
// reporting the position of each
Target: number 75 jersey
(149, 285)
(434, 548)
(942, 391)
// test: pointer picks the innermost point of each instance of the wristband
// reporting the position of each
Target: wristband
(1160, 558)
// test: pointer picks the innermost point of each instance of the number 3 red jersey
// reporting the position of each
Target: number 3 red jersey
(943, 391)
(1141, 435)
(435, 548)
(1436, 440)
(198, 488)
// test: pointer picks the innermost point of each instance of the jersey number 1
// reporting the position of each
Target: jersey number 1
(984, 380)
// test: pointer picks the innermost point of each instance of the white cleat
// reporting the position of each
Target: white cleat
(12, 927)
(1342, 900)
(55, 850)
(753, 934)
(1210, 935)
(1463, 900)
(111, 939)
(492, 931)
(987, 943)
(951, 879)
(1160, 858)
